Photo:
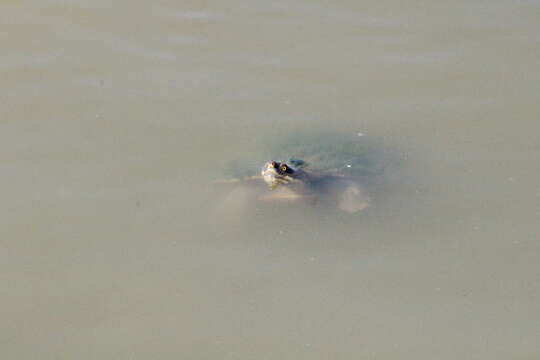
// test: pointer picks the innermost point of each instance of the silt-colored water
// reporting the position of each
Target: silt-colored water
(116, 116)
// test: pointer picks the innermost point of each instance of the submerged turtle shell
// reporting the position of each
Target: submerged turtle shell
(338, 169)
(322, 154)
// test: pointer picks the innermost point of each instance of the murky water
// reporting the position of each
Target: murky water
(114, 119)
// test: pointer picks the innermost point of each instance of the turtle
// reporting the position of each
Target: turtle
(314, 169)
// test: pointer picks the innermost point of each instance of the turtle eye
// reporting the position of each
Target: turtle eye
(283, 168)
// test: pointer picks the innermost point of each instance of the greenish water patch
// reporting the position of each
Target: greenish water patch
(347, 154)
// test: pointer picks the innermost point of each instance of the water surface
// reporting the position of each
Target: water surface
(116, 116)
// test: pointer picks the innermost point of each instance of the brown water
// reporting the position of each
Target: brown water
(115, 117)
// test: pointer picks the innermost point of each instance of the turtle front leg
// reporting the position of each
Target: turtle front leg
(353, 199)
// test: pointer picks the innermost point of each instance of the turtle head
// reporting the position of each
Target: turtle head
(275, 173)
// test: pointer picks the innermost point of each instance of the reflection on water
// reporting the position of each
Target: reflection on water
(117, 243)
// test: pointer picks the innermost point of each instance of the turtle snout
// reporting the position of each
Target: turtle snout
(270, 174)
